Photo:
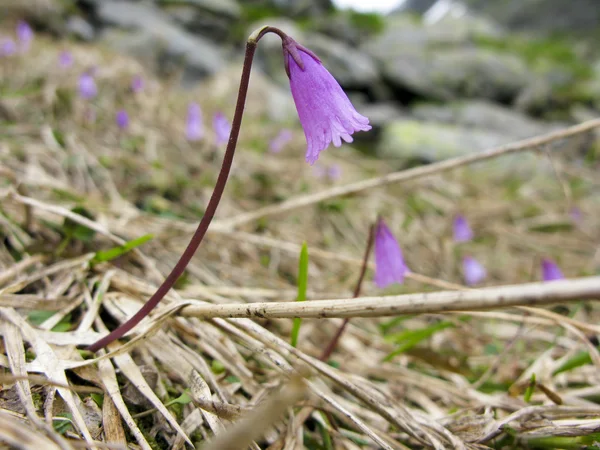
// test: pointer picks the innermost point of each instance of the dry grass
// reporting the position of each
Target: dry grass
(426, 380)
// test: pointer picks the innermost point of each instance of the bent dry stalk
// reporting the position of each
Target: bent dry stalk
(325, 112)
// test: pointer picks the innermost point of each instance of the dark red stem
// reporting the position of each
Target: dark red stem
(212, 204)
(363, 270)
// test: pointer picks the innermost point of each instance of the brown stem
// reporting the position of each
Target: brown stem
(212, 204)
(363, 270)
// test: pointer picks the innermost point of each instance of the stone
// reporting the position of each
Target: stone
(486, 116)
(148, 33)
(229, 8)
(80, 28)
(352, 68)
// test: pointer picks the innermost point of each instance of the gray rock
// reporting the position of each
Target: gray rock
(80, 28)
(462, 72)
(542, 15)
(352, 68)
(150, 34)
(441, 62)
(485, 116)
(411, 140)
(228, 8)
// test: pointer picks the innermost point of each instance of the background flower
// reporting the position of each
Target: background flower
(462, 230)
(389, 261)
(87, 86)
(551, 271)
(122, 119)
(194, 130)
(473, 272)
(222, 128)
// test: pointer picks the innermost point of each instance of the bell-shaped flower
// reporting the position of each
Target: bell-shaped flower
(325, 111)
(8, 47)
(473, 272)
(462, 230)
(222, 128)
(122, 119)
(194, 130)
(65, 59)
(389, 262)
(24, 34)
(279, 142)
(87, 86)
(137, 84)
(550, 271)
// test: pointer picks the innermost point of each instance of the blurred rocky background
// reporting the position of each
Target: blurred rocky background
(437, 78)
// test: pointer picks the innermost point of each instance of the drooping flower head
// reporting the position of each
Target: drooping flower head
(389, 262)
(222, 128)
(122, 119)
(462, 230)
(278, 142)
(87, 86)
(576, 215)
(473, 272)
(550, 271)
(194, 130)
(325, 111)
(65, 59)
(137, 84)
(8, 48)
(24, 34)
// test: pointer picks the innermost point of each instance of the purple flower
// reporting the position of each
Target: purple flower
(389, 262)
(24, 34)
(279, 141)
(65, 59)
(325, 111)
(137, 84)
(222, 128)
(9, 47)
(194, 129)
(122, 119)
(550, 271)
(462, 230)
(473, 272)
(87, 86)
(576, 215)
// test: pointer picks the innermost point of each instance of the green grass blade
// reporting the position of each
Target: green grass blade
(408, 339)
(302, 286)
(115, 252)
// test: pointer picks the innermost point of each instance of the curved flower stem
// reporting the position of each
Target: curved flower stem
(363, 270)
(212, 204)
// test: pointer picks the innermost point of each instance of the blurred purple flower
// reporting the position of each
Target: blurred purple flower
(9, 47)
(279, 141)
(87, 86)
(24, 34)
(576, 215)
(389, 262)
(137, 84)
(334, 172)
(550, 271)
(473, 272)
(194, 129)
(462, 230)
(325, 111)
(222, 128)
(122, 119)
(65, 59)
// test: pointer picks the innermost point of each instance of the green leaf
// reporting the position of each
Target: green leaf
(580, 359)
(302, 286)
(115, 252)
(530, 389)
(183, 399)
(77, 231)
(98, 398)
(62, 423)
(408, 339)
